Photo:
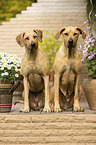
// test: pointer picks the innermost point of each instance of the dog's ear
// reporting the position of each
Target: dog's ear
(39, 34)
(20, 39)
(81, 32)
(57, 36)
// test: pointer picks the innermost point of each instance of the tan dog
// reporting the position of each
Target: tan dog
(66, 69)
(34, 68)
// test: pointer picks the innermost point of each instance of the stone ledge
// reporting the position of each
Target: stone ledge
(47, 118)
(47, 133)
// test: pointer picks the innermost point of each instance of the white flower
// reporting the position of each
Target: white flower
(9, 61)
(3, 60)
(2, 74)
(9, 67)
(6, 73)
(14, 62)
(7, 54)
(16, 69)
(15, 66)
(19, 69)
(16, 75)
(2, 68)
(18, 65)
(2, 65)
(5, 65)
(2, 54)
(15, 56)
(12, 65)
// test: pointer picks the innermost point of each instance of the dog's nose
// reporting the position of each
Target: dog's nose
(32, 44)
(70, 41)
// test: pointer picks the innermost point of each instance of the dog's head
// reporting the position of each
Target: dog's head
(70, 35)
(30, 39)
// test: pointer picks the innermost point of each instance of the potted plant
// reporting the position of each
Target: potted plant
(9, 73)
(89, 51)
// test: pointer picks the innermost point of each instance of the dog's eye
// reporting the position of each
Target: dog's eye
(27, 38)
(34, 37)
(66, 34)
(75, 34)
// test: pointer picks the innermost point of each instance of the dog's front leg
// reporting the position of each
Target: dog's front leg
(56, 95)
(26, 95)
(76, 107)
(46, 82)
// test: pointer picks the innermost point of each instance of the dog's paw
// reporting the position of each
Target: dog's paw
(24, 110)
(57, 109)
(47, 109)
(78, 109)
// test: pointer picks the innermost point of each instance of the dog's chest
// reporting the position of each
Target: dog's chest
(68, 74)
(31, 67)
(68, 77)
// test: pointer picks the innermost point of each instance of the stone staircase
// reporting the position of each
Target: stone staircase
(48, 15)
(48, 129)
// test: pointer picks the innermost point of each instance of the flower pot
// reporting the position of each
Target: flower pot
(89, 86)
(6, 93)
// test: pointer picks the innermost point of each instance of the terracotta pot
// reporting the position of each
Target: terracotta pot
(6, 93)
(89, 86)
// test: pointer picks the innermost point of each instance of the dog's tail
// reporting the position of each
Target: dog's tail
(19, 101)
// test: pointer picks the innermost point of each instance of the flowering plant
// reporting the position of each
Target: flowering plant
(89, 52)
(9, 67)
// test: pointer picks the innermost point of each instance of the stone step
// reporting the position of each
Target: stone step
(42, 25)
(42, 19)
(59, 1)
(57, 117)
(82, 119)
(26, 15)
(51, 129)
(56, 6)
(43, 126)
(42, 140)
(49, 29)
(62, 3)
(55, 10)
(46, 133)
(57, 144)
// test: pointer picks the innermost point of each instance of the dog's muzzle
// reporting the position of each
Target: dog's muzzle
(70, 43)
(32, 46)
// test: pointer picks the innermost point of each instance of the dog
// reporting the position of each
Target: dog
(35, 71)
(66, 69)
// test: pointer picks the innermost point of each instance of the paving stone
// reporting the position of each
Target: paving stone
(17, 133)
(64, 118)
(31, 140)
(2, 118)
(2, 133)
(8, 126)
(18, 119)
(10, 140)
